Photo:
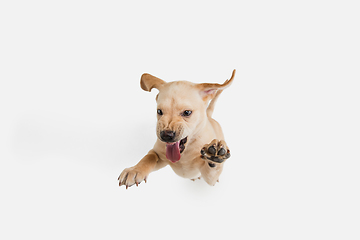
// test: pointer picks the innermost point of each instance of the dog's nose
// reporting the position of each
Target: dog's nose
(167, 136)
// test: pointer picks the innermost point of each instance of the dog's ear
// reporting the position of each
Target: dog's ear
(148, 82)
(208, 90)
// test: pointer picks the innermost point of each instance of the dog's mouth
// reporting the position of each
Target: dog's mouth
(174, 150)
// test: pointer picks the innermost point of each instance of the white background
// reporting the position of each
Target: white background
(73, 117)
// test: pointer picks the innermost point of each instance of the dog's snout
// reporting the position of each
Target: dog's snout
(167, 136)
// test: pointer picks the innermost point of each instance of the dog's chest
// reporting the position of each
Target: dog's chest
(185, 170)
(187, 167)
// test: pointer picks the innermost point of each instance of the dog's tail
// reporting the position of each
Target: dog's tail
(210, 108)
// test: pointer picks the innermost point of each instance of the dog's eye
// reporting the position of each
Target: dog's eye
(186, 113)
(159, 112)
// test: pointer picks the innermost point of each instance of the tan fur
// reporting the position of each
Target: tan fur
(200, 129)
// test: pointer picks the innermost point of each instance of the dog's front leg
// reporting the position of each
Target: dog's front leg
(214, 156)
(139, 172)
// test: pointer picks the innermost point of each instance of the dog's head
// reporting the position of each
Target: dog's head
(181, 110)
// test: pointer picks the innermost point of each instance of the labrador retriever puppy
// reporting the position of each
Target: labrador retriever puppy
(188, 138)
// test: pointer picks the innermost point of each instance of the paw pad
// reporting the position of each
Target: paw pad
(216, 151)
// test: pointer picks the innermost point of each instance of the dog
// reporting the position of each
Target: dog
(188, 138)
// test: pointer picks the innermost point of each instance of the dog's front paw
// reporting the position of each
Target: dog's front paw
(131, 176)
(216, 152)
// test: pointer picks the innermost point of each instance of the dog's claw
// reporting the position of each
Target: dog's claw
(193, 179)
(131, 176)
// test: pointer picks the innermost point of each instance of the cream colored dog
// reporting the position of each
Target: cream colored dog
(189, 140)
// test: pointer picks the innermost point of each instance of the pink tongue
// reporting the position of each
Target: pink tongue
(173, 151)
